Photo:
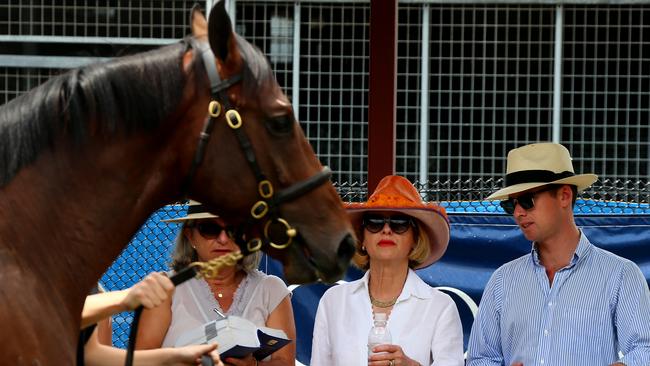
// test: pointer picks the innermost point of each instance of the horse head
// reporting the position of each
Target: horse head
(256, 168)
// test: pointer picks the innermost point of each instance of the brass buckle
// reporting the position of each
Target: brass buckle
(259, 209)
(214, 109)
(254, 245)
(265, 189)
(234, 119)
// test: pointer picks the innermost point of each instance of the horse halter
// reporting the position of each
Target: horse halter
(278, 233)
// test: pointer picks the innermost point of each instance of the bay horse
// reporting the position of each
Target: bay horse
(86, 157)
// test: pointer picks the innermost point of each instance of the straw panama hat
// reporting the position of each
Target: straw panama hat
(397, 194)
(195, 211)
(539, 164)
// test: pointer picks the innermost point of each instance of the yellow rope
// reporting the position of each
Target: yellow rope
(210, 269)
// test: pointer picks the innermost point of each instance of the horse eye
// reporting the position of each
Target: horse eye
(280, 125)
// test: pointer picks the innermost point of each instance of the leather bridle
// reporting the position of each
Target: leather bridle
(278, 233)
(266, 208)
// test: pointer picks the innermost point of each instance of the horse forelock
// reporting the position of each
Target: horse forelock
(123, 96)
(256, 72)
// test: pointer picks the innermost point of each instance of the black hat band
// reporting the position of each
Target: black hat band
(194, 209)
(535, 176)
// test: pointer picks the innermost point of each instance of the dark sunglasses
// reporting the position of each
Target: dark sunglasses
(397, 224)
(526, 201)
(212, 230)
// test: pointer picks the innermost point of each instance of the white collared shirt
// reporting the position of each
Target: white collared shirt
(424, 322)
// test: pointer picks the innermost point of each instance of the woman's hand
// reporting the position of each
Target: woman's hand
(191, 355)
(246, 361)
(390, 355)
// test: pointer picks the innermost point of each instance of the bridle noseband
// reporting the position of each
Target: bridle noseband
(278, 233)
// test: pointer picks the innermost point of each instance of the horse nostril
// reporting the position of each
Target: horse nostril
(346, 250)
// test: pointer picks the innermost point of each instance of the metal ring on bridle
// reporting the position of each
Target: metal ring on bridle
(265, 189)
(291, 233)
(259, 209)
(254, 245)
(234, 119)
(214, 109)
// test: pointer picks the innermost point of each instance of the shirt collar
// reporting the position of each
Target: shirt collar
(581, 251)
(412, 287)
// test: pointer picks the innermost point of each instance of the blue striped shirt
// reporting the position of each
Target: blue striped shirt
(597, 306)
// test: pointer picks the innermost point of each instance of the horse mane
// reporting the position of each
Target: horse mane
(124, 95)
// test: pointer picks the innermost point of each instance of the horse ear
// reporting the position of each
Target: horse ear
(197, 22)
(220, 30)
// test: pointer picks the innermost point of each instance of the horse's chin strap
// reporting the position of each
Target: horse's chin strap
(278, 233)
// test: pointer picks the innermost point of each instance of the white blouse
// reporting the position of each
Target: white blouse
(424, 322)
(193, 303)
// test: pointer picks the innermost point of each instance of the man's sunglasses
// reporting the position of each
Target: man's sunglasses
(526, 201)
(212, 230)
(398, 224)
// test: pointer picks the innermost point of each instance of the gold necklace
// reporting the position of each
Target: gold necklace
(382, 304)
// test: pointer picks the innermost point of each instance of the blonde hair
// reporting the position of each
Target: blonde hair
(184, 254)
(417, 255)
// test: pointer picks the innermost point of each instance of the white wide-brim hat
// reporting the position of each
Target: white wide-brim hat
(195, 211)
(537, 165)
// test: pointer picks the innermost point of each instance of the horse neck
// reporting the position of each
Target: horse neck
(69, 214)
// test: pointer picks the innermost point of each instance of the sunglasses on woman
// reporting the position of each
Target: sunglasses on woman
(212, 230)
(526, 201)
(397, 224)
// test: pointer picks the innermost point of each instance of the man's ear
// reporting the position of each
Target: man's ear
(565, 194)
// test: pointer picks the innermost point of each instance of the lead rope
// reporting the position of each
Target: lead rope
(208, 269)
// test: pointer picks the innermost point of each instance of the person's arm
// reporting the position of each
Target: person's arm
(280, 318)
(632, 317)
(447, 345)
(484, 347)
(97, 354)
(149, 292)
(153, 326)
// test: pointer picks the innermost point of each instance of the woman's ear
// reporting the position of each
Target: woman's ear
(187, 232)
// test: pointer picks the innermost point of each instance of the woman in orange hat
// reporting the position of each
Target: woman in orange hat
(397, 234)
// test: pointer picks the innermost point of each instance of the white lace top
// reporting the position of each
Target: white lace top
(193, 303)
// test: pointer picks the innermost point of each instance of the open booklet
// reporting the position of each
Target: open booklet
(237, 337)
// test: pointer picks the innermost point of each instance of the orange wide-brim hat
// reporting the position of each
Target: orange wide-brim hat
(397, 194)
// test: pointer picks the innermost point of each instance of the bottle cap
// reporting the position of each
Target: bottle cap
(380, 316)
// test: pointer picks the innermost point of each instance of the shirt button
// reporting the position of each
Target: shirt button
(541, 361)
(545, 332)
(550, 304)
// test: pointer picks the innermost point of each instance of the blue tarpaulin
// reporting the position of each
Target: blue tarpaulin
(480, 243)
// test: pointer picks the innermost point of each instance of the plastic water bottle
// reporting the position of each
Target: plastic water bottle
(379, 333)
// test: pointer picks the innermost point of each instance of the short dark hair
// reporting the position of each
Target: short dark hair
(574, 189)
